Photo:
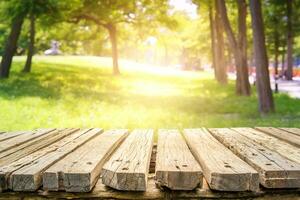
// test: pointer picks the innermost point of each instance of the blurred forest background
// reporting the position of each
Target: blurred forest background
(139, 63)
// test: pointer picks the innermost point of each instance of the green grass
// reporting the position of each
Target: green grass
(81, 92)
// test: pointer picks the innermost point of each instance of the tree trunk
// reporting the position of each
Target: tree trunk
(229, 57)
(276, 51)
(113, 39)
(289, 72)
(213, 38)
(27, 67)
(265, 97)
(220, 68)
(11, 46)
(238, 47)
(244, 86)
(283, 63)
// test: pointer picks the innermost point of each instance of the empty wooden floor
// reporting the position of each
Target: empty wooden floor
(220, 163)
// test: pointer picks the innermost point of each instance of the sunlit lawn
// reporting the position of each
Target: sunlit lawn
(81, 92)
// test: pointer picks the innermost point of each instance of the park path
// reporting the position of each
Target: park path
(292, 88)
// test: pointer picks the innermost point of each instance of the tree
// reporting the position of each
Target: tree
(220, 67)
(213, 37)
(238, 45)
(289, 72)
(49, 13)
(265, 97)
(27, 67)
(216, 39)
(275, 23)
(108, 14)
(16, 13)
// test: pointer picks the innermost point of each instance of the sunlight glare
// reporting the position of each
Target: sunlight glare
(150, 88)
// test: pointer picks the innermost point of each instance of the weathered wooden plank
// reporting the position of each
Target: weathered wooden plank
(29, 177)
(78, 171)
(176, 167)
(21, 139)
(222, 169)
(281, 134)
(128, 167)
(29, 147)
(295, 131)
(100, 191)
(8, 135)
(7, 170)
(285, 149)
(275, 171)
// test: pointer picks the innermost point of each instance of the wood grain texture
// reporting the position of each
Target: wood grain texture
(23, 138)
(29, 147)
(79, 170)
(285, 149)
(295, 131)
(9, 135)
(15, 148)
(176, 167)
(101, 191)
(281, 134)
(128, 167)
(222, 169)
(275, 171)
(7, 170)
(29, 177)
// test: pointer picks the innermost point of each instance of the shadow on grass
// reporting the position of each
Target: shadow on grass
(91, 84)
(49, 81)
(25, 86)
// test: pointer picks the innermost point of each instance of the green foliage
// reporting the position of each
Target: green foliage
(10, 9)
(115, 11)
(47, 12)
(81, 92)
(275, 22)
(176, 33)
(50, 10)
(3, 35)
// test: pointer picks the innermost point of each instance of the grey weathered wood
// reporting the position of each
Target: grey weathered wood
(29, 147)
(79, 170)
(128, 167)
(275, 171)
(8, 135)
(176, 167)
(281, 134)
(285, 149)
(295, 131)
(21, 139)
(222, 169)
(7, 170)
(29, 177)
(100, 191)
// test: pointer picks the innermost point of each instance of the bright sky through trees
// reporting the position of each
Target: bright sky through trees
(186, 6)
